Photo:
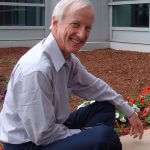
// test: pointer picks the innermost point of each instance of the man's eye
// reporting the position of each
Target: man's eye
(88, 29)
(75, 25)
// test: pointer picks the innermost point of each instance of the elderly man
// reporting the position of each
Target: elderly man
(36, 108)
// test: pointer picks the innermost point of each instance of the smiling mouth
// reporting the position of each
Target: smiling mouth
(78, 42)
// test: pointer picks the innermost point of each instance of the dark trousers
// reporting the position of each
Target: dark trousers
(97, 124)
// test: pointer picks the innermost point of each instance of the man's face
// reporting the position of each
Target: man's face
(73, 31)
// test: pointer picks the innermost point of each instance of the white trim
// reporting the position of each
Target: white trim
(130, 29)
(23, 39)
(111, 19)
(22, 27)
(130, 2)
(130, 46)
(95, 45)
(126, 41)
(149, 17)
(21, 4)
(29, 43)
(48, 13)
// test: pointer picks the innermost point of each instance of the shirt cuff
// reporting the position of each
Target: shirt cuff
(127, 110)
(74, 131)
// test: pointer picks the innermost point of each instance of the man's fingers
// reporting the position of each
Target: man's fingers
(136, 131)
(136, 126)
(141, 132)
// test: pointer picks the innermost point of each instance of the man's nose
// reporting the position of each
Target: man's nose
(82, 34)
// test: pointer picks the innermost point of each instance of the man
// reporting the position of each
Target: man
(36, 114)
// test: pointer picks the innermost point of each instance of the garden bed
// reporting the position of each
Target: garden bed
(127, 72)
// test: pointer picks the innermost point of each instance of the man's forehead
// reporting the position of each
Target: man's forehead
(73, 11)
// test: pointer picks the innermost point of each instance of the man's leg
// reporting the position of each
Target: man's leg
(99, 119)
(24, 146)
(100, 116)
(92, 115)
(97, 138)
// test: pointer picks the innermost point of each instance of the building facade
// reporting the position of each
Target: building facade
(130, 24)
(24, 22)
(119, 24)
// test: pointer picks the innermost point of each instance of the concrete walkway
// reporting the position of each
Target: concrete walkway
(128, 143)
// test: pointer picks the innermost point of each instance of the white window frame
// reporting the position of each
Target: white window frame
(129, 2)
(114, 3)
(23, 4)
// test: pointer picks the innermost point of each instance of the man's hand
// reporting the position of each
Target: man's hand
(136, 126)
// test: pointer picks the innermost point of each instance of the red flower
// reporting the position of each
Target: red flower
(140, 97)
(2, 97)
(146, 91)
(148, 106)
(143, 102)
(132, 101)
(1, 147)
(145, 112)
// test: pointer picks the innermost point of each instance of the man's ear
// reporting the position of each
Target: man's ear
(55, 23)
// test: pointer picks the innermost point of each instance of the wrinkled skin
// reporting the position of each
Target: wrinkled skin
(136, 126)
(73, 31)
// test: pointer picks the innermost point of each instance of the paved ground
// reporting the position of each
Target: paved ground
(129, 143)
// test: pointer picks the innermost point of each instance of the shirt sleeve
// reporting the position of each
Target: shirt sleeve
(33, 96)
(87, 86)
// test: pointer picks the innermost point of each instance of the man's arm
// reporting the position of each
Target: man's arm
(89, 87)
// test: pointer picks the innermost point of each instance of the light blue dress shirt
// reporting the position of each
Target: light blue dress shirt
(37, 99)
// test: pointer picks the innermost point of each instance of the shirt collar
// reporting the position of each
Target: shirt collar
(54, 51)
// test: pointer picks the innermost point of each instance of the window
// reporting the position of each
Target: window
(121, 0)
(24, 1)
(21, 16)
(131, 15)
(22, 13)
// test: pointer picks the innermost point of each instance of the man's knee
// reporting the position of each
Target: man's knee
(105, 105)
(102, 133)
(106, 138)
(103, 113)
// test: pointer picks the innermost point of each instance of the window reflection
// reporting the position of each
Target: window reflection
(24, 1)
(21, 16)
(122, 0)
(136, 15)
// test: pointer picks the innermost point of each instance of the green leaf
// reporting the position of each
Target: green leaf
(147, 119)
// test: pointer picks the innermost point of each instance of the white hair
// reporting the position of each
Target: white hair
(63, 5)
